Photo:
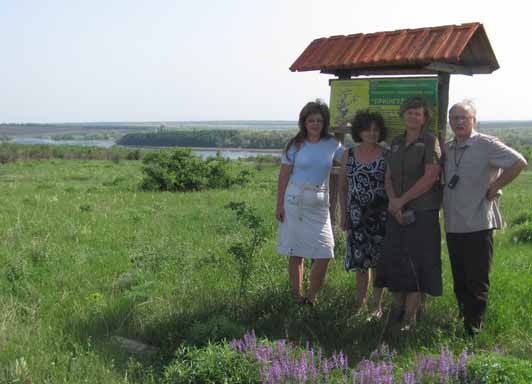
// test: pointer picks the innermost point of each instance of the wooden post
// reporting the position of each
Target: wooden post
(334, 179)
(443, 104)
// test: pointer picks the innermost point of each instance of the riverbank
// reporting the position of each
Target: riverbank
(40, 150)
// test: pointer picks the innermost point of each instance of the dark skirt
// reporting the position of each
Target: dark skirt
(411, 259)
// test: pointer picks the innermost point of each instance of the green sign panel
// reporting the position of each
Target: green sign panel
(383, 95)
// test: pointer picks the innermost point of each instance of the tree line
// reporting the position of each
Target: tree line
(209, 138)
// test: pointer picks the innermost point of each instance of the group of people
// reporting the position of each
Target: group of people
(390, 197)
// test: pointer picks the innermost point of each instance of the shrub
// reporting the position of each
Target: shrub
(523, 218)
(523, 233)
(212, 364)
(115, 158)
(134, 155)
(181, 170)
(215, 328)
(494, 368)
(245, 251)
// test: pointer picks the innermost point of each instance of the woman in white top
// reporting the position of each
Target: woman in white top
(303, 199)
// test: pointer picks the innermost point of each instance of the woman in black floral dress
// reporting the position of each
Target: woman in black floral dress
(363, 204)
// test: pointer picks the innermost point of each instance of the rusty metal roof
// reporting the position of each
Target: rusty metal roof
(451, 48)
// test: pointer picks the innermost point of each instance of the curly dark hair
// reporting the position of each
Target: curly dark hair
(362, 122)
(311, 108)
(415, 103)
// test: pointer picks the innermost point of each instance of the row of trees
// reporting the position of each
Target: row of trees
(14, 152)
(227, 138)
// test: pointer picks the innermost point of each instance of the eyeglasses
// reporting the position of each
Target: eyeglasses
(460, 117)
(312, 121)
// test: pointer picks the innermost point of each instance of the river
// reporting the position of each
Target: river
(232, 153)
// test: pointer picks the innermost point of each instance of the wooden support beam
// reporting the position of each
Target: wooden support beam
(459, 69)
(379, 71)
(334, 179)
(450, 68)
(443, 103)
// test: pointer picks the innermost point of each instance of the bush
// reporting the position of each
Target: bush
(244, 252)
(494, 368)
(523, 218)
(181, 170)
(523, 233)
(216, 328)
(211, 364)
(134, 155)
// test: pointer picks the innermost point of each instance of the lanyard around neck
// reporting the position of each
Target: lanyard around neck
(458, 160)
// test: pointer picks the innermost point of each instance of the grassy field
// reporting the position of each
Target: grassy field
(86, 257)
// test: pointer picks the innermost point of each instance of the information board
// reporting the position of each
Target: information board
(383, 95)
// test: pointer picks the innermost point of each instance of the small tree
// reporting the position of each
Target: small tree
(245, 251)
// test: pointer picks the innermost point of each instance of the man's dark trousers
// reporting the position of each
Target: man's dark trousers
(471, 255)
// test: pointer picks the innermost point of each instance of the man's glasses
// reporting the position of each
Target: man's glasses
(460, 118)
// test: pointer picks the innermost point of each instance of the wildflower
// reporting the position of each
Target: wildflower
(409, 378)
(462, 366)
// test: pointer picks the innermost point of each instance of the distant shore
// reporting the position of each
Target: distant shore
(230, 149)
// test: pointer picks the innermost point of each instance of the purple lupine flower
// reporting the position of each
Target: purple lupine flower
(271, 380)
(312, 368)
(261, 353)
(325, 369)
(365, 372)
(376, 372)
(304, 366)
(343, 360)
(409, 378)
(301, 368)
(445, 365)
(275, 371)
(334, 361)
(237, 345)
(425, 366)
(265, 374)
(388, 372)
(250, 339)
(285, 365)
(462, 366)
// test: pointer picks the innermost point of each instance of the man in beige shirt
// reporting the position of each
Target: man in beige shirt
(477, 167)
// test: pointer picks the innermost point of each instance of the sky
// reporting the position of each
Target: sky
(184, 60)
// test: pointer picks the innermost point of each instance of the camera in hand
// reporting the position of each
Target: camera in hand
(454, 180)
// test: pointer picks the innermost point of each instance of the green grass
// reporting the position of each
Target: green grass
(86, 257)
